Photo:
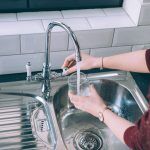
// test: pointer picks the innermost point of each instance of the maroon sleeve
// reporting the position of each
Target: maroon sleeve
(138, 137)
(147, 57)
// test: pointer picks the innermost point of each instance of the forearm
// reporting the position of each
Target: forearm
(132, 61)
(117, 124)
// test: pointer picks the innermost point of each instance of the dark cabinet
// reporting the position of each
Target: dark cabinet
(73, 4)
(33, 5)
(13, 5)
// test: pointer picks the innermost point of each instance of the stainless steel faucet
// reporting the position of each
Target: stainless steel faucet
(46, 76)
(46, 72)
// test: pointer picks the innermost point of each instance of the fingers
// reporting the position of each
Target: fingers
(72, 97)
(68, 60)
(76, 98)
(71, 58)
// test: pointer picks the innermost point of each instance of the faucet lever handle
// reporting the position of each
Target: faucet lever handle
(29, 73)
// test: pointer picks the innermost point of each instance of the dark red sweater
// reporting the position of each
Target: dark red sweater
(138, 137)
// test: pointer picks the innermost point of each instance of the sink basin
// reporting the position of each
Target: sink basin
(56, 124)
(81, 130)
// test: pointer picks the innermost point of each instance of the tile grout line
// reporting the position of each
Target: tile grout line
(104, 12)
(20, 44)
(43, 25)
(113, 37)
(63, 17)
(86, 18)
(17, 16)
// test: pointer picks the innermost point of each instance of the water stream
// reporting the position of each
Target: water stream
(78, 79)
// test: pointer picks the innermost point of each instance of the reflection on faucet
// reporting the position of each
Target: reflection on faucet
(46, 67)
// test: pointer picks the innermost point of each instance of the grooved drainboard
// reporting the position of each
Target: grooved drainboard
(15, 125)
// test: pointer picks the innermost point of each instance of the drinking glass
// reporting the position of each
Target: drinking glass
(83, 86)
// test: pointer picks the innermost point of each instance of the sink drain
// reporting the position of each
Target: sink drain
(87, 140)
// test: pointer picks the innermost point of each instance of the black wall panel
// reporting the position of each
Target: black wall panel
(13, 5)
(33, 5)
(73, 4)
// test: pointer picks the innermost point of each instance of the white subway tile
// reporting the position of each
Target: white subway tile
(39, 15)
(59, 41)
(93, 38)
(9, 45)
(147, 46)
(141, 1)
(102, 52)
(132, 8)
(74, 24)
(59, 38)
(57, 58)
(21, 27)
(82, 13)
(145, 15)
(110, 22)
(137, 47)
(140, 47)
(114, 11)
(16, 63)
(32, 43)
(131, 36)
(145, 1)
(8, 17)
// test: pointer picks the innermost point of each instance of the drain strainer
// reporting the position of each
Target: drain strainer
(87, 140)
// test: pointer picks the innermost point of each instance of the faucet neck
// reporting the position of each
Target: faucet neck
(70, 33)
(46, 67)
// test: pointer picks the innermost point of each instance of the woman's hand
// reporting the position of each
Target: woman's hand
(88, 62)
(92, 104)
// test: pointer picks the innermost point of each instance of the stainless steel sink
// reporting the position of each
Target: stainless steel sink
(23, 125)
(81, 130)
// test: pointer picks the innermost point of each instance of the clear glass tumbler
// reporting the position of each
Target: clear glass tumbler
(84, 84)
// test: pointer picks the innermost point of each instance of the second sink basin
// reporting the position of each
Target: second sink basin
(83, 131)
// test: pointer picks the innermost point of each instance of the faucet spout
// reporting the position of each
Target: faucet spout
(46, 67)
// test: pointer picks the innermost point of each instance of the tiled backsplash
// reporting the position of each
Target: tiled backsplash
(100, 32)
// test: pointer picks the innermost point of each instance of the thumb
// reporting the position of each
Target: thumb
(71, 70)
(92, 89)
